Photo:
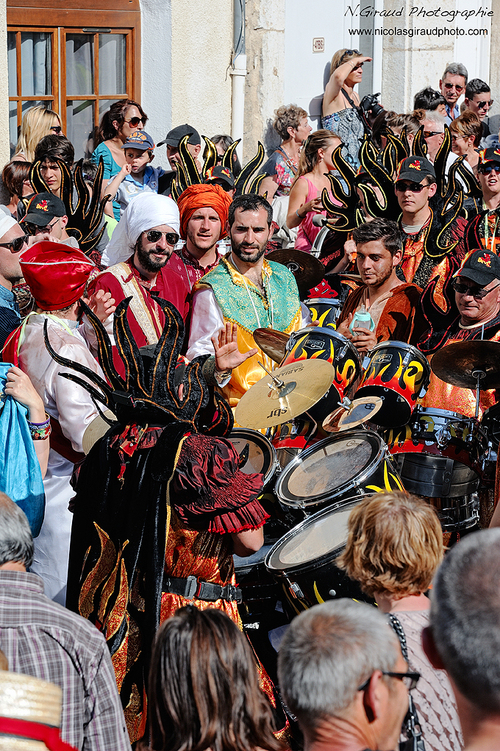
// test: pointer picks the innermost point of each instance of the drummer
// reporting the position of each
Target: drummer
(477, 295)
(393, 305)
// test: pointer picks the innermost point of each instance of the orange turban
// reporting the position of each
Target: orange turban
(202, 196)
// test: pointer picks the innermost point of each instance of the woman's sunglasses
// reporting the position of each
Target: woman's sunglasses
(154, 235)
(57, 129)
(134, 121)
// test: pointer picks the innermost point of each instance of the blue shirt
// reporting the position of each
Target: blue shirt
(130, 187)
(449, 111)
(9, 314)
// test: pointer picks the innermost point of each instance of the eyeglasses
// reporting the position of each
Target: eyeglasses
(154, 235)
(485, 169)
(35, 229)
(402, 186)
(57, 129)
(16, 244)
(451, 86)
(134, 121)
(410, 679)
(429, 133)
(477, 293)
(482, 105)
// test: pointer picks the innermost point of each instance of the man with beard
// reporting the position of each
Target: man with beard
(145, 237)
(394, 305)
(246, 290)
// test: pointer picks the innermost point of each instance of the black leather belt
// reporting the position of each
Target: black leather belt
(192, 588)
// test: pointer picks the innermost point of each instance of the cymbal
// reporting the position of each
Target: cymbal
(265, 404)
(307, 270)
(272, 343)
(361, 410)
(457, 362)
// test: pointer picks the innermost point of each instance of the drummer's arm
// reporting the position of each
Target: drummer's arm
(247, 542)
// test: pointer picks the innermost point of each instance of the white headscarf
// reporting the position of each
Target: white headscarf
(144, 212)
(6, 222)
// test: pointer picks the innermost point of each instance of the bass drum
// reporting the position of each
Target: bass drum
(256, 452)
(339, 467)
(399, 373)
(303, 561)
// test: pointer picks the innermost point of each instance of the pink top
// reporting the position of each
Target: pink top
(307, 230)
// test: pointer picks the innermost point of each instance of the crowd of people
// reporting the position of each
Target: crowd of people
(130, 299)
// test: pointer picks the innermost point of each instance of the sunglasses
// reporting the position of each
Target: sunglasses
(429, 133)
(349, 52)
(154, 235)
(15, 245)
(410, 679)
(476, 292)
(357, 67)
(451, 86)
(57, 129)
(35, 229)
(402, 186)
(482, 105)
(485, 169)
(134, 121)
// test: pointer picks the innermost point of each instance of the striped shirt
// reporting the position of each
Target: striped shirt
(43, 639)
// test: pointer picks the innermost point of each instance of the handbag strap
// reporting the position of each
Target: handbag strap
(398, 628)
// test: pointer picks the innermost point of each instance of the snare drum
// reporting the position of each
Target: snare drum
(326, 344)
(439, 453)
(324, 310)
(258, 452)
(342, 466)
(398, 373)
(303, 561)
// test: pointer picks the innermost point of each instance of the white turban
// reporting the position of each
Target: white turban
(6, 222)
(144, 212)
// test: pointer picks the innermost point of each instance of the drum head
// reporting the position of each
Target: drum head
(323, 534)
(261, 454)
(328, 470)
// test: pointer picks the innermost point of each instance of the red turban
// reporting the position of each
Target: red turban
(56, 274)
(203, 196)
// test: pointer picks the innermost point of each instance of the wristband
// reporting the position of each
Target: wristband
(297, 212)
(40, 431)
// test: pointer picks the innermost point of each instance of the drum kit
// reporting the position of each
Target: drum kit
(336, 431)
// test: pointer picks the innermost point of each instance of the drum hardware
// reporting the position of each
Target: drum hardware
(295, 388)
(443, 436)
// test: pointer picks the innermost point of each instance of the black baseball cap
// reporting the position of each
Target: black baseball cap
(175, 135)
(219, 173)
(415, 168)
(481, 267)
(490, 155)
(42, 208)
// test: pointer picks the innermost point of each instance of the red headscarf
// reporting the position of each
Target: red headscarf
(202, 196)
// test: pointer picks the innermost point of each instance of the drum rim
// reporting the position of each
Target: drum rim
(273, 466)
(403, 345)
(324, 299)
(350, 484)
(327, 332)
(316, 562)
(419, 409)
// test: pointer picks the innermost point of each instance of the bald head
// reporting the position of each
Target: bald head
(16, 540)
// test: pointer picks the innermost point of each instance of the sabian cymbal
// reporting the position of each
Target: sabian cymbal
(272, 343)
(360, 410)
(266, 404)
(307, 270)
(457, 362)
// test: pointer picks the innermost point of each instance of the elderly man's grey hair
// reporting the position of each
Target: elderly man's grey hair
(16, 540)
(328, 652)
(456, 69)
(465, 618)
(435, 118)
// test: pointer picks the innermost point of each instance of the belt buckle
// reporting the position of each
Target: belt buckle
(191, 587)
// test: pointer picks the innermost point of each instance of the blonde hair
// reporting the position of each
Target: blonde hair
(309, 155)
(36, 124)
(394, 544)
(467, 124)
(342, 56)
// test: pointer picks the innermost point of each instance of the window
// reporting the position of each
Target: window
(78, 71)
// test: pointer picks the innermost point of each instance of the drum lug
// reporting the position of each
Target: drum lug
(295, 589)
(443, 436)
